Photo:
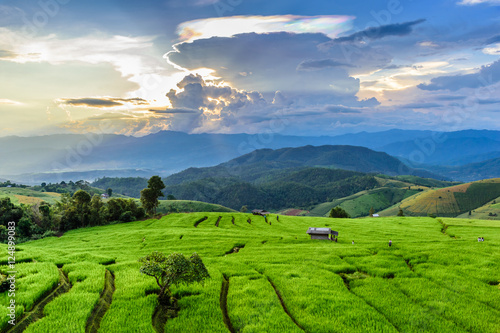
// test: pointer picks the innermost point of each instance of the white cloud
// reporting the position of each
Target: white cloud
(477, 2)
(492, 49)
(331, 25)
(427, 44)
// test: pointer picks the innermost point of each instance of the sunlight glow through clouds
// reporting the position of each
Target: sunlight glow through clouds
(331, 25)
(9, 102)
(401, 78)
(132, 57)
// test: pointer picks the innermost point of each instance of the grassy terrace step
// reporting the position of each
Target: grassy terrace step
(36, 283)
(70, 311)
(36, 312)
(426, 282)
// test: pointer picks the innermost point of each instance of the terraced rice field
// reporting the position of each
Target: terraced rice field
(267, 276)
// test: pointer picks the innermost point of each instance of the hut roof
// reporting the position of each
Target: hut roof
(322, 231)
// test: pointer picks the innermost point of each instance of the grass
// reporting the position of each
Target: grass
(26, 196)
(33, 282)
(70, 311)
(280, 280)
(450, 201)
(190, 206)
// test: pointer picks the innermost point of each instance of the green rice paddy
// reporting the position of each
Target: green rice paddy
(271, 277)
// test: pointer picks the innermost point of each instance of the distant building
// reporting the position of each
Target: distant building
(260, 212)
(9, 185)
(322, 233)
(104, 196)
(375, 215)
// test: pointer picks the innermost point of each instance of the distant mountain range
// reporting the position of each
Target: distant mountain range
(35, 159)
(262, 164)
(289, 177)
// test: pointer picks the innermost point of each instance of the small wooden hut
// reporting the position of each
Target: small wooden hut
(322, 233)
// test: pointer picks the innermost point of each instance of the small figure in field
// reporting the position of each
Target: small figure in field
(335, 239)
(143, 239)
(479, 239)
(352, 242)
(390, 242)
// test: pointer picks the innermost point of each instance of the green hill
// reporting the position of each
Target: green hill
(449, 201)
(28, 196)
(490, 211)
(266, 162)
(389, 192)
(359, 204)
(265, 276)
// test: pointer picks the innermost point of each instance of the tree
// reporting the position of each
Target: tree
(400, 213)
(82, 200)
(338, 212)
(109, 191)
(150, 195)
(244, 209)
(172, 270)
(156, 184)
(96, 206)
(149, 201)
(372, 211)
(171, 197)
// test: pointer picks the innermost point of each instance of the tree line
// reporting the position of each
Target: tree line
(81, 209)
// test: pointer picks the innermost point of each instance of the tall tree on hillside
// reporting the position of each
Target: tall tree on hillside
(109, 191)
(150, 195)
(82, 200)
(96, 206)
(156, 184)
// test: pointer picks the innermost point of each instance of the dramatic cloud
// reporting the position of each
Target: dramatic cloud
(397, 29)
(487, 75)
(134, 58)
(106, 102)
(331, 26)
(209, 105)
(269, 62)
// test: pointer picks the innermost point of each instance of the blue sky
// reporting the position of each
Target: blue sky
(252, 66)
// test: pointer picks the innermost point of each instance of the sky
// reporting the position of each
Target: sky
(248, 66)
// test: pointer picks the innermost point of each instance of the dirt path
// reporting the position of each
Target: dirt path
(102, 305)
